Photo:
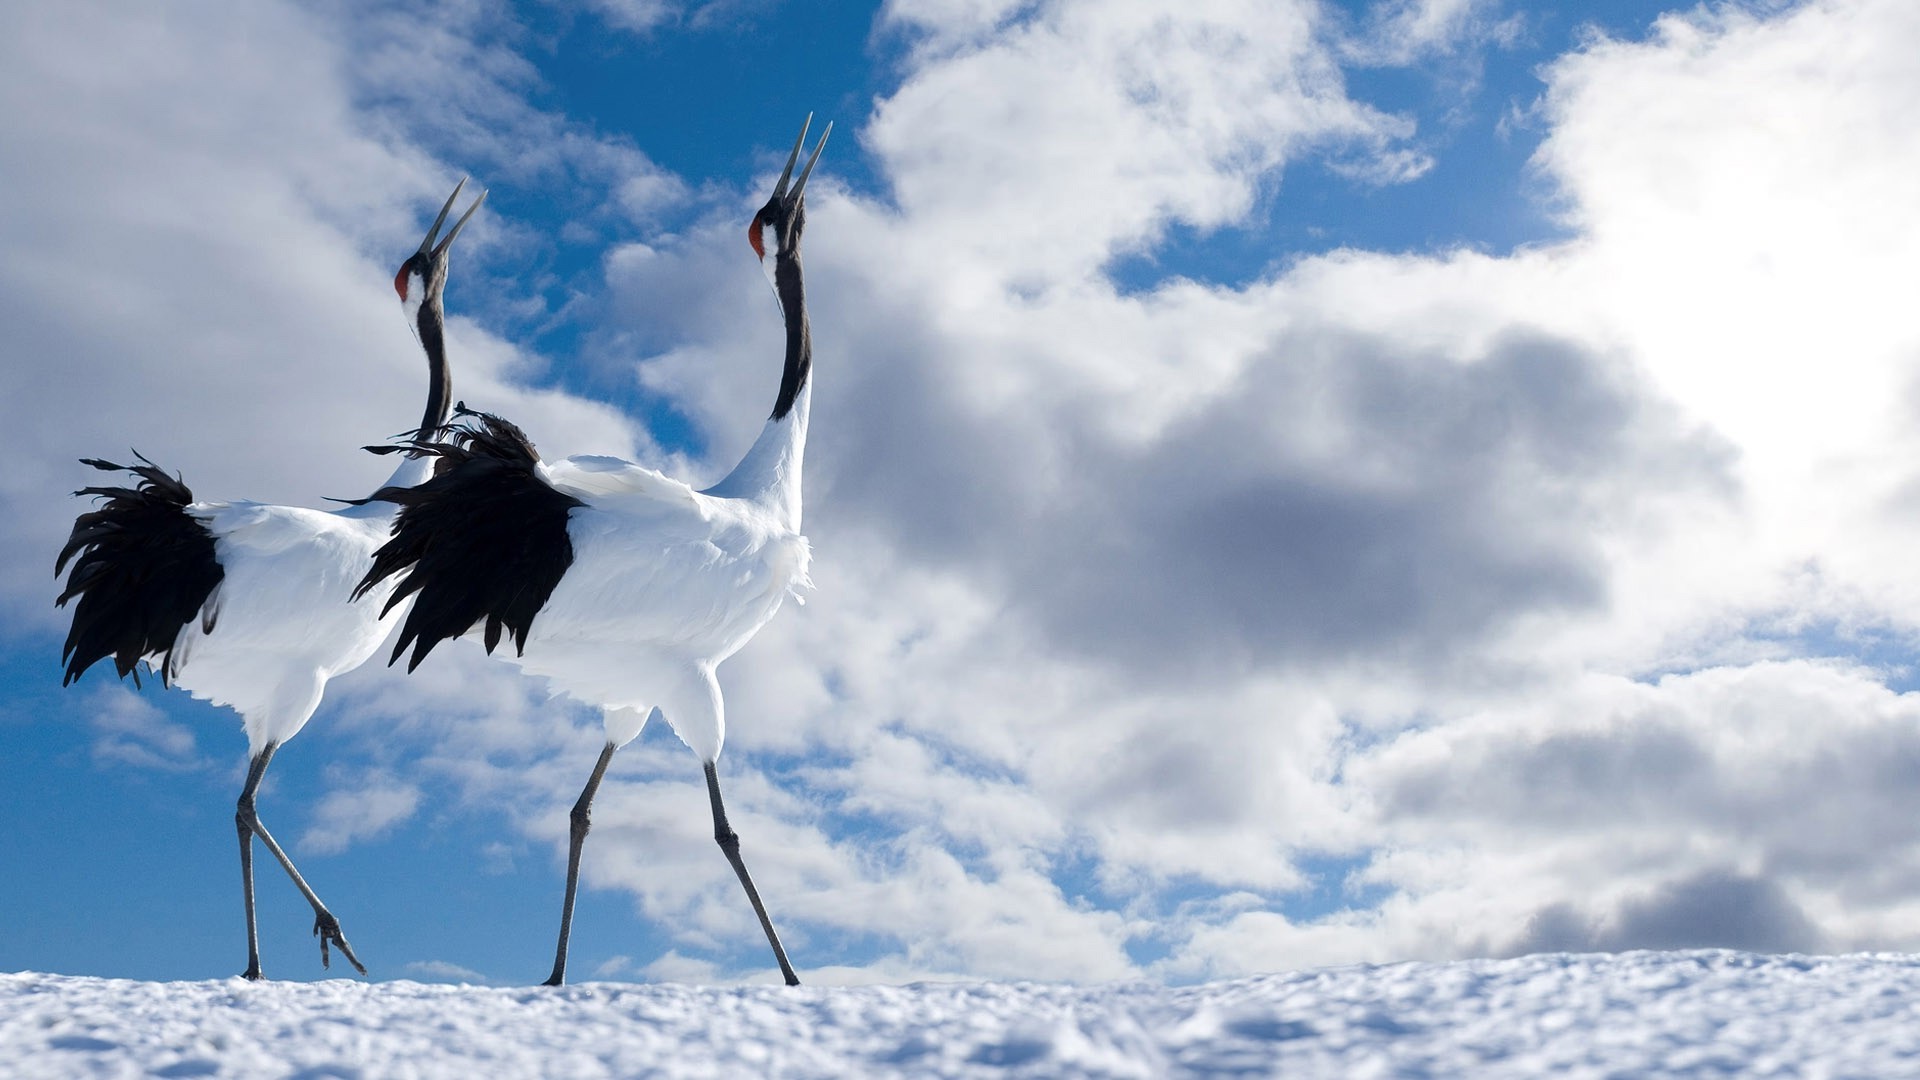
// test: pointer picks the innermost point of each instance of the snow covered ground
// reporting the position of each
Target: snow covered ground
(1683, 1014)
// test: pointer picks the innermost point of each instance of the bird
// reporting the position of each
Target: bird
(245, 604)
(624, 587)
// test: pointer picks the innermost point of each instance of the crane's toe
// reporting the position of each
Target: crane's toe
(327, 929)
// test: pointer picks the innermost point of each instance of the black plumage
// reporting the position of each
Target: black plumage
(142, 568)
(486, 538)
(789, 286)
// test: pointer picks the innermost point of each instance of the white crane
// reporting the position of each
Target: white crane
(245, 604)
(624, 587)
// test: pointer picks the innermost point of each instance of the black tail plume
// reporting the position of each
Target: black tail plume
(485, 538)
(142, 567)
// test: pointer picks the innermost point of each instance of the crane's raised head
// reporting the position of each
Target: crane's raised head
(778, 224)
(424, 274)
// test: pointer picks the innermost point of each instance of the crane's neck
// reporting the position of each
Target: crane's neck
(416, 468)
(770, 472)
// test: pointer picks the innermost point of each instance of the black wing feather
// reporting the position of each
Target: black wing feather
(485, 538)
(142, 568)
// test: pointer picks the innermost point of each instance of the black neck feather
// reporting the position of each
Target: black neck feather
(793, 305)
(439, 373)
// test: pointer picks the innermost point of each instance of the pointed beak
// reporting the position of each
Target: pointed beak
(780, 186)
(780, 189)
(427, 246)
(801, 184)
(447, 240)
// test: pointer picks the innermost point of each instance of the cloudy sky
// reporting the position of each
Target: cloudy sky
(1292, 482)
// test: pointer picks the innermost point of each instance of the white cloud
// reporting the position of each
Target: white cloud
(370, 807)
(128, 730)
(444, 971)
(453, 77)
(640, 15)
(1118, 121)
(651, 16)
(1403, 32)
(1608, 814)
(1758, 219)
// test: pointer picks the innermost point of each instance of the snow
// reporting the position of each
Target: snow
(1678, 1014)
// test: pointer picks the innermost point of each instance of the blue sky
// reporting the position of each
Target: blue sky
(1291, 483)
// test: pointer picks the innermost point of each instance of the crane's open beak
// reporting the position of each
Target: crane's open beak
(780, 189)
(430, 254)
(427, 246)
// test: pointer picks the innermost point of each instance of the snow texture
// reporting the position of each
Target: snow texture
(1685, 1014)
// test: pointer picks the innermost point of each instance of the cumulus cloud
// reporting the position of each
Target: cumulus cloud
(1762, 806)
(649, 16)
(371, 807)
(635, 14)
(1401, 32)
(454, 77)
(128, 730)
(1713, 909)
(443, 971)
(1121, 119)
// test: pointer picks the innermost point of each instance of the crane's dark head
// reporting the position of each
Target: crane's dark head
(424, 274)
(779, 223)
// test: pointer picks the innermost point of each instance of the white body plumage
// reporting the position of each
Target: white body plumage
(283, 620)
(667, 582)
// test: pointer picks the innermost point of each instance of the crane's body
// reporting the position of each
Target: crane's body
(666, 583)
(624, 587)
(244, 604)
(282, 621)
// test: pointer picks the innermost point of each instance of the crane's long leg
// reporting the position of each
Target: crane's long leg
(325, 926)
(243, 818)
(580, 821)
(729, 842)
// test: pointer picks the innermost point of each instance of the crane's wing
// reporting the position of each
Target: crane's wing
(485, 539)
(591, 476)
(262, 530)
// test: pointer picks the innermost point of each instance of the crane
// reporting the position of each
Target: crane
(624, 587)
(245, 604)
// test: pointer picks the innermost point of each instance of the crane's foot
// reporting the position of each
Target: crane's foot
(327, 929)
(253, 974)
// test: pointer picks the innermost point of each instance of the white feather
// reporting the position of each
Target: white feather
(590, 476)
(282, 621)
(666, 583)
